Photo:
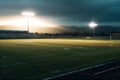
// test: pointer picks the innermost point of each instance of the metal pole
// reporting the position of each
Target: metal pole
(93, 31)
(28, 24)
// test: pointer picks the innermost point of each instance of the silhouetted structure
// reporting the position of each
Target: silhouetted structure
(114, 36)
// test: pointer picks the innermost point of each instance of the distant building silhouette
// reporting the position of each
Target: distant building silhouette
(115, 36)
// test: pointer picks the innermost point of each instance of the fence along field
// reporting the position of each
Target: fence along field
(41, 58)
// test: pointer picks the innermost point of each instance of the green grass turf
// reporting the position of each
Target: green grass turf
(41, 58)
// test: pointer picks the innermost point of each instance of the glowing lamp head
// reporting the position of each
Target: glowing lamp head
(93, 25)
(28, 13)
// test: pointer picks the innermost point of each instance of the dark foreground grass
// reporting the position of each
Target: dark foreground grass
(41, 58)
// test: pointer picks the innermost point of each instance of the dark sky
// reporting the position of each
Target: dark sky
(67, 12)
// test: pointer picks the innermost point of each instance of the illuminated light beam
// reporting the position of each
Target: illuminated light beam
(37, 23)
(93, 25)
(28, 14)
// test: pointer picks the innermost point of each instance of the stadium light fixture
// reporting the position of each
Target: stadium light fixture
(93, 25)
(28, 15)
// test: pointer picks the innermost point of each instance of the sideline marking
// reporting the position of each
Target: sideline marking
(106, 70)
(81, 69)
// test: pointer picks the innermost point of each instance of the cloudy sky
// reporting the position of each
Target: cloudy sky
(66, 12)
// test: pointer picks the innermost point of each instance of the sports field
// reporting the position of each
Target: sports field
(42, 58)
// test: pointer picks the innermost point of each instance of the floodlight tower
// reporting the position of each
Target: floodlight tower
(28, 15)
(93, 25)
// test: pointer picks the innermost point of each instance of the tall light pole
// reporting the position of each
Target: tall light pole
(93, 25)
(28, 15)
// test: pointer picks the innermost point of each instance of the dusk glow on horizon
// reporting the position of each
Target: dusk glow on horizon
(45, 13)
(21, 21)
(60, 39)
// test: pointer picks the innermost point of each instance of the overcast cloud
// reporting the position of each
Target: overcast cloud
(67, 11)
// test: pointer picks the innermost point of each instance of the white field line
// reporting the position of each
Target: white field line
(26, 62)
(40, 61)
(44, 45)
(20, 63)
(67, 73)
(44, 52)
(38, 44)
(97, 53)
(33, 61)
(113, 58)
(107, 62)
(83, 69)
(106, 70)
(51, 58)
(21, 57)
(30, 61)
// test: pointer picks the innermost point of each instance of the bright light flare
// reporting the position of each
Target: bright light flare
(28, 13)
(33, 21)
(37, 23)
(93, 24)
